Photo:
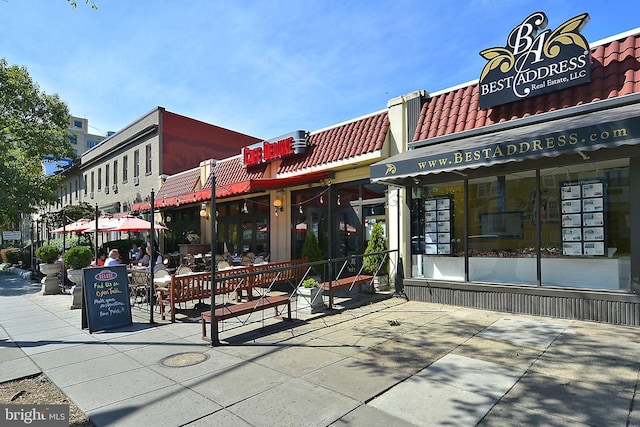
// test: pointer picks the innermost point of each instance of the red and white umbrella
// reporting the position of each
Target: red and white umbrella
(134, 224)
(74, 227)
(104, 224)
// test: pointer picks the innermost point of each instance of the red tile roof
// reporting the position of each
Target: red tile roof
(180, 183)
(615, 71)
(358, 137)
(342, 142)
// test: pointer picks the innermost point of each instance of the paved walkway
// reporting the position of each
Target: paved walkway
(389, 362)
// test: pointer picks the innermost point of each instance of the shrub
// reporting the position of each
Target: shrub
(78, 257)
(377, 243)
(47, 253)
(13, 256)
(310, 283)
(311, 250)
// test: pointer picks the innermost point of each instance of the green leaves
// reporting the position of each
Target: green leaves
(33, 125)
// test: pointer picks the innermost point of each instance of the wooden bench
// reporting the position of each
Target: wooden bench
(345, 282)
(236, 310)
(197, 286)
(278, 273)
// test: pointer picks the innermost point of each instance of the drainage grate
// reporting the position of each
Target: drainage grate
(181, 360)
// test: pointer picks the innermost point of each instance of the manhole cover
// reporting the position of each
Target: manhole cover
(183, 359)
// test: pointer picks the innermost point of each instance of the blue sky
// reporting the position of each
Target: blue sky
(266, 68)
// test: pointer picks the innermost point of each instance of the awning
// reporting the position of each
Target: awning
(234, 189)
(588, 132)
(271, 183)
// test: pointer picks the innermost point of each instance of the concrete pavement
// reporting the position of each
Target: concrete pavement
(374, 363)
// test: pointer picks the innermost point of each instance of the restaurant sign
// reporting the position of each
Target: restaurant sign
(534, 63)
(277, 148)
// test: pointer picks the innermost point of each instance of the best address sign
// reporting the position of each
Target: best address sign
(534, 63)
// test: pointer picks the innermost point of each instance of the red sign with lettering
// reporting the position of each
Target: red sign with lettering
(267, 151)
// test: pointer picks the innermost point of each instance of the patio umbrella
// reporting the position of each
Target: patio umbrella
(134, 224)
(104, 224)
(75, 227)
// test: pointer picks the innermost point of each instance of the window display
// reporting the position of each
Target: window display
(438, 227)
(583, 218)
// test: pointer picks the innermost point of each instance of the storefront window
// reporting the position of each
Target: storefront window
(585, 225)
(243, 226)
(437, 231)
(582, 214)
(502, 229)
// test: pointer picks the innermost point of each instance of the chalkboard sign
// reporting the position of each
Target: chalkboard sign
(106, 297)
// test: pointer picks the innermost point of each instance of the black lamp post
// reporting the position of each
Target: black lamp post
(214, 241)
(152, 261)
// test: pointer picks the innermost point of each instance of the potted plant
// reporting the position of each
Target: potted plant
(311, 251)
(48, 254)
(310, 296)
(77, 258)
(376, 263)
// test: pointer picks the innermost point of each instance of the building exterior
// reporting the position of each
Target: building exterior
(82, 140)
(270, 194)
(526, 204)
(125, 167)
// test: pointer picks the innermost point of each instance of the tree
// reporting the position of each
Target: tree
(311, 251)
(32, 125)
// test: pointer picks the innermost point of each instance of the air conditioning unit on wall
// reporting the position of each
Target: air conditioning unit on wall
(136, 181)
(106, 190)
(91, 195)
(114, 188)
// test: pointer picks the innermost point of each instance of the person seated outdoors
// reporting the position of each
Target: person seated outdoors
(134, 253)
(100, 260)
(113, 259)
(146, 259)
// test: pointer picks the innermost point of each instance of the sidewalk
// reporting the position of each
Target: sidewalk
(389, 362)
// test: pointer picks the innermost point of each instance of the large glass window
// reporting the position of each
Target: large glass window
(438, 231)
(579, 213)
(243, 226)
(502, 229)
(586, 239)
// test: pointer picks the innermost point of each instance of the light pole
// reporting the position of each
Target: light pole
(152, 261)
(214, 241)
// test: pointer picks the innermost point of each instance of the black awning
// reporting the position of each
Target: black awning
(578, 134)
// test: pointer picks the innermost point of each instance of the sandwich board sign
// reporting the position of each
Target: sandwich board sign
(106, 298)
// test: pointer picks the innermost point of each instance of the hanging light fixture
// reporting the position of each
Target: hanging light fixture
(338, 201)
(277, 205)
(300, 209)
(244, 207)
(203, 210)
(321, 200)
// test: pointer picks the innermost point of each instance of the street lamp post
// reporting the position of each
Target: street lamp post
(214, 240)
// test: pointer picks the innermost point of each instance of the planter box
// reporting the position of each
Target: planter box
(310, 300)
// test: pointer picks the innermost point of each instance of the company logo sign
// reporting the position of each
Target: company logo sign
(277, 148)
(534, 62)
(34, 415)
(105, 276)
